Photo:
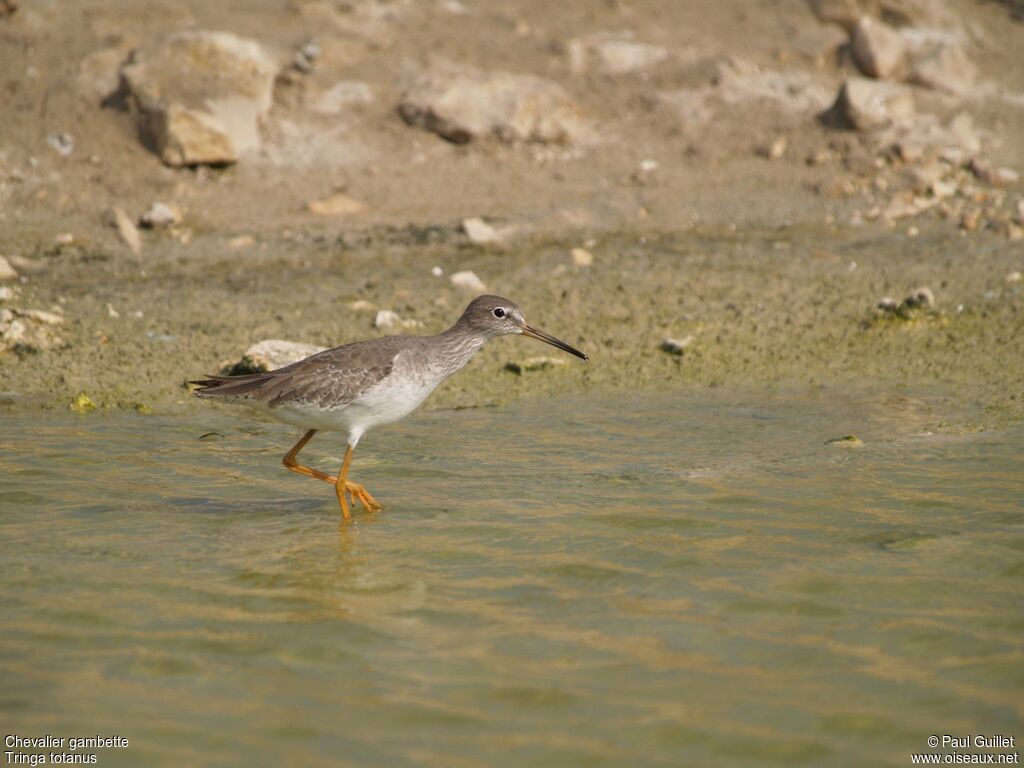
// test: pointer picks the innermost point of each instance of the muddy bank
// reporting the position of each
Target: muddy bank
(753, 310)
(748, 180)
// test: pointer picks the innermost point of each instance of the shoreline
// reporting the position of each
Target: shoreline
(768, 308)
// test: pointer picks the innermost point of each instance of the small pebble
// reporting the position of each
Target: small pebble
(7, 272)
(776, 149)
(1014, 277)
(127, 230)
(62, 143)
(388, 320)
(479, 231)
(921, 297)
(337, 205)
(42, 316)
(161, 215)
(581, 257)
(676, 346)
(436, 271)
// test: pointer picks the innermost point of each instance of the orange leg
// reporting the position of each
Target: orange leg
(355, 490)
(341, 483)
(294, 466)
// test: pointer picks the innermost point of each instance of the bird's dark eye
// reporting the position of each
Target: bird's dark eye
(499, 312)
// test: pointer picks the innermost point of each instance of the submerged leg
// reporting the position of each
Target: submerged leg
(294, 466)
(355, 490)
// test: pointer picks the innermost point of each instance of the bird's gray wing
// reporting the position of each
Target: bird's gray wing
(332, 378)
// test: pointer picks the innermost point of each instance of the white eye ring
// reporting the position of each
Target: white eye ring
(498, 312)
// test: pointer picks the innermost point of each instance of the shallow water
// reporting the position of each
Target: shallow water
(661, 580)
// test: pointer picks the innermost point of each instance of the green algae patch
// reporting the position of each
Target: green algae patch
(82, 403)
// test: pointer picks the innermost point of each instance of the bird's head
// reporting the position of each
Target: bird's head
(492, 316)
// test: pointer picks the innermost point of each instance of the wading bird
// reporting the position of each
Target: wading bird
(358, 386)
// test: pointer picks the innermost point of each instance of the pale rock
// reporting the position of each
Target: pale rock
(739, 83)
(7, 272)
(971, 219)
(581, 257)
(127, 230)
(903, 207)
(112, 313)
(337, 205)
(921, 298)
(878, 50)
(12, 332)
(61, 143)
(775, 150)
(467, 280)
(387, 320)
(306, 58)
(64, 239)
(479, 231)
(1014, 277)
(271, 354)
(845, 13)
(200, 96)
(161, 215)
(962, 129)
(362, 305)
(996, 176)
(943, 188)
(676, 346)
(613, 55)
(239, 242)
(1019, 211)
(27, 266)
(944, 66)
(910, 150)
(98, 75)
(463, 104)
(864, 105)
(41, 316)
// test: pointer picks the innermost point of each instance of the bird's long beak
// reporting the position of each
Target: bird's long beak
(534, 333)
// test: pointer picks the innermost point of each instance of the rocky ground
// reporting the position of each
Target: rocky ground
(698, 193)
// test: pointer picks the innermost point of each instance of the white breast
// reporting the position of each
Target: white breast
(390, 399)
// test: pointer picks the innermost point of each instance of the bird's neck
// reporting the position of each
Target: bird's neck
(457, 347)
